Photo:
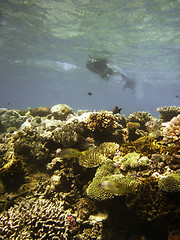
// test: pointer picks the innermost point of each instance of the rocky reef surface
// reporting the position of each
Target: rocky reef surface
(89, 175)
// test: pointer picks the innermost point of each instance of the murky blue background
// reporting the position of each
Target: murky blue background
(44, 45)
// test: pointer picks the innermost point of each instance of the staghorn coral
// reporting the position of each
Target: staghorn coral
(167, 113)
(146, 146)
(169, 183)
(171, 131)
(94, 156)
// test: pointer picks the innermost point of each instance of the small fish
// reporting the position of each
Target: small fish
(90, 93)
(117, 188)
(116, 110)
(69, 153)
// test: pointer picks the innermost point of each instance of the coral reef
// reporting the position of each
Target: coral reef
(91, 175)
(37, 219)
(171, 130)
(167, 113)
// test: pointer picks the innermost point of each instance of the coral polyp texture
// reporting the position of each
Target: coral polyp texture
(171, 130)
(88, 175)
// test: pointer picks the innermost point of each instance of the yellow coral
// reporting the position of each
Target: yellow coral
(93, 157)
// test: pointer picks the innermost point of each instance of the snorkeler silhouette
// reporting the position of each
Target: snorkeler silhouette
(101, 67)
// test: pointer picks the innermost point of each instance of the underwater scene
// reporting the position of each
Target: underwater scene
(89, 119)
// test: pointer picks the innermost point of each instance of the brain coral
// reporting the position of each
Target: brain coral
(171, 131)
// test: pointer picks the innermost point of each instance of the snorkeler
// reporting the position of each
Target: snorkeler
(101, 67)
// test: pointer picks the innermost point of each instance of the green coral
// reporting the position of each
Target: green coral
(133, 160)
(95, 156)
(107, 172)
(170, 183)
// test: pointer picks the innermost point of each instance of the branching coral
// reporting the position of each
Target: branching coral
(171, 131)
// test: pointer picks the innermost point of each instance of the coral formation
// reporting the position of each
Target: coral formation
(39, 111)
(132, 160)
(94, 156)
(170, 183)
(171, 130)
(75, 176)
(37, 219)
(167, 113)
(61, 111)
(104, 125)
(140, 117)
(11, 118)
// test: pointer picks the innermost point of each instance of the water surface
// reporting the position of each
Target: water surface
(44, 46)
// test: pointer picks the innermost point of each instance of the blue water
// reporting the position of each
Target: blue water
(44, 46)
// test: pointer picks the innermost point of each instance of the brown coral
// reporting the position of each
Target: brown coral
(101, 121)
(106, 126)
(167, 113)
